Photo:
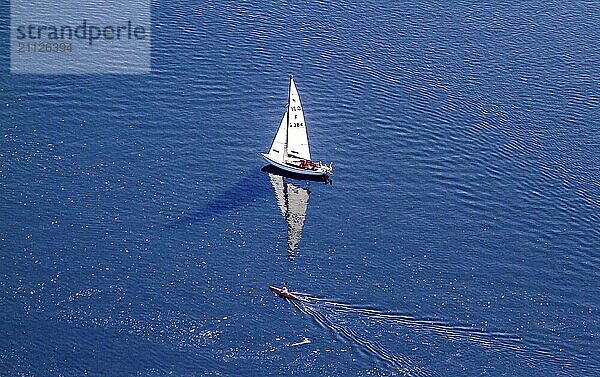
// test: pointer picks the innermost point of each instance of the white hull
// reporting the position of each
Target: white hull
(293, 169)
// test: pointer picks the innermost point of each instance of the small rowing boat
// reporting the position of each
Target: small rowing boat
(279, 292)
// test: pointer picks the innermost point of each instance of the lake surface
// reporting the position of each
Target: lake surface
(460, 234)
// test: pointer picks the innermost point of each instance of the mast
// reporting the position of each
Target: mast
(287, 130)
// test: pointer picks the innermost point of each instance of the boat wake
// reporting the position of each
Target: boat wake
(498, 339)
(401, 364)
(349, 322)
(331, 316)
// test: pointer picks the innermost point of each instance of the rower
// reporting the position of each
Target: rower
(285, 290)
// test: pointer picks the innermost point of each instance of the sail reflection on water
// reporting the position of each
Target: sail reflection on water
(293, 203)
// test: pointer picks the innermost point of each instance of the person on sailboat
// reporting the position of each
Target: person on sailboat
(307, 164)
(285, 289)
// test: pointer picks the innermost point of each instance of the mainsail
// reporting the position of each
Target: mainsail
(291, 140)
(293, 203)
(297, 132)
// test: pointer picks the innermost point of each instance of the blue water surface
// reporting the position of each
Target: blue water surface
(459, 237)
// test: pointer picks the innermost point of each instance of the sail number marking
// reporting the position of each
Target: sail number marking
(297, 124)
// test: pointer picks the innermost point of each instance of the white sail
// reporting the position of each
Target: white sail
(278, 148)
(293, 203)
(297, 132)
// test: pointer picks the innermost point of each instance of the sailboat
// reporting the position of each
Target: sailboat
(293, 203)
(289, 150)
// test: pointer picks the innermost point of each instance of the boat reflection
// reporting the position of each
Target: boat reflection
(293, 203)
